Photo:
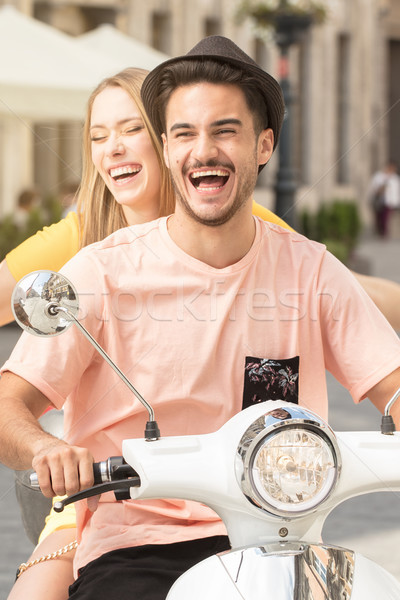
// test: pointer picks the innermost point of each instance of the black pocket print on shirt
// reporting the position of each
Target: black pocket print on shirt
(268, 379)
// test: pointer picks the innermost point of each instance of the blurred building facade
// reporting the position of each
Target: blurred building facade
(344, 76)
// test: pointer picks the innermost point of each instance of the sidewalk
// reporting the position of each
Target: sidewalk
(382, 255)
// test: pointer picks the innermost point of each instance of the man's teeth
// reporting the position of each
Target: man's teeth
(124, 171)
(217, 173)
(204, 180)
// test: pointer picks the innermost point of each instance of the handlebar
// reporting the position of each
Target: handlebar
(111, 475)
(113, 469)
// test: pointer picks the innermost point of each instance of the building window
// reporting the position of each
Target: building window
(394, 105)
(343, 108)
(161, 32)
(96, 16)
(75, 19)
(212, 26)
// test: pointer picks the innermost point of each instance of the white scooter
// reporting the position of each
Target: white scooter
(273, 473)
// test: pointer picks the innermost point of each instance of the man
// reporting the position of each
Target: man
(194, 308)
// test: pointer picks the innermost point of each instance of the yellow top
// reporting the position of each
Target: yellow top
(53, 246)
(268, 215)
(48, 249)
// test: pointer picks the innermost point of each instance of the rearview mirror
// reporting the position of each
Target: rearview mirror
(40, 301)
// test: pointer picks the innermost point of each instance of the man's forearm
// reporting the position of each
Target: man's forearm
(61, 468)
(21, 436)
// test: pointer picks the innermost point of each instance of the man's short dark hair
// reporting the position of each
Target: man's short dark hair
(207, 70)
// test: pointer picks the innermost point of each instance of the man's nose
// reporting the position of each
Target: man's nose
(204, 148)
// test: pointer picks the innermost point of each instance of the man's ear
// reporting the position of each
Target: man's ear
(265, 146)
(165, 149)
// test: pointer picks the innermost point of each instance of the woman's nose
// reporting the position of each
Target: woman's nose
(115, 146)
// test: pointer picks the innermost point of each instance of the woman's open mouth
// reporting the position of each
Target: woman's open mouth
(125, 172)
(211, 180)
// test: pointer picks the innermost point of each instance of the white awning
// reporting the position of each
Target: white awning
(121, 48)
(45, 73)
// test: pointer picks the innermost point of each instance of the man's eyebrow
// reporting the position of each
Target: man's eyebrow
(181, 126)
(219, 123)
(229, 121)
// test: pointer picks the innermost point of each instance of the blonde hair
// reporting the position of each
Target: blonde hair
(99, 214)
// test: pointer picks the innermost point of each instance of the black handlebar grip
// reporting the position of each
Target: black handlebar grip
(103, 472)
(100, 473)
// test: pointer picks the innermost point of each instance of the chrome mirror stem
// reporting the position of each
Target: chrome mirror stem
(53, 308)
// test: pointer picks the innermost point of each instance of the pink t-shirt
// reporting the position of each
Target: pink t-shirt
(199, 344)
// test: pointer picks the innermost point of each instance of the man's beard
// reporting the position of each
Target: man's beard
(243, 193)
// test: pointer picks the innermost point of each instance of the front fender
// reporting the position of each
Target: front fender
(286, 571)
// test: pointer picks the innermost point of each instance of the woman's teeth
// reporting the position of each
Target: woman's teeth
(119, 172)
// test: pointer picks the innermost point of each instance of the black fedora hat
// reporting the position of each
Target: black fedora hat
(221, 49)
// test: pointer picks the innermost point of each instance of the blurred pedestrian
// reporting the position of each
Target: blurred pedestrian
(385, 196)
(27, 201)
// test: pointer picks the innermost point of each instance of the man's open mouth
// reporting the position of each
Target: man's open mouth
(210, 180)
(120, 173)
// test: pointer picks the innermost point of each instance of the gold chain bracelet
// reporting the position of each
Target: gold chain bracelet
(67, 548)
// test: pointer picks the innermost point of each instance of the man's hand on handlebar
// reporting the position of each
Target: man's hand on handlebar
(63, 469)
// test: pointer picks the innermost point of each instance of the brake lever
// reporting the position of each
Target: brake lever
(120, 487)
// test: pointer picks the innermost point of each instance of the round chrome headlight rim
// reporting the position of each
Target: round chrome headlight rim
(255, 438)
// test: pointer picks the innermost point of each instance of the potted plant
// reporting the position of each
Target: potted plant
(283, 13)
(336, 224)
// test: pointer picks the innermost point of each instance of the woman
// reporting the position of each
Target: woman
(101, 209)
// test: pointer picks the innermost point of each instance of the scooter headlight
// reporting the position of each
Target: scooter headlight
(289, 465)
